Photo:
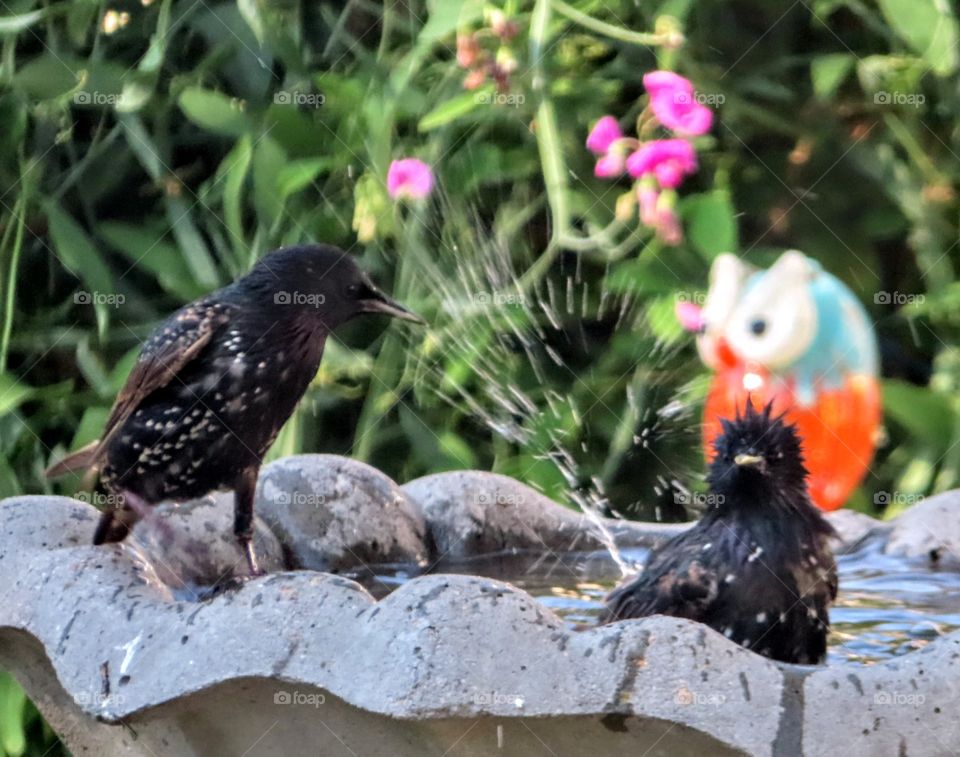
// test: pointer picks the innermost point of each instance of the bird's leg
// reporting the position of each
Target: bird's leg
(243, 498)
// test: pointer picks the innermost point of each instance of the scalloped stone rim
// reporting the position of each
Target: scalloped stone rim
(298, 661)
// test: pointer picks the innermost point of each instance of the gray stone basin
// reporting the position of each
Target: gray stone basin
(123, 657)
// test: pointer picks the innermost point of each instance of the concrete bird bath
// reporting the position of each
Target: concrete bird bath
(123, 657)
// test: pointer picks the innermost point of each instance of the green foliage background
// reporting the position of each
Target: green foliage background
(155, 163)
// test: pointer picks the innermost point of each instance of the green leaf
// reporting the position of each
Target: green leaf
(81, 22)
(457, 451)
(13, 738)
(298, 174)
(268, 159)
(179, 212)
(235, 167)
(83, 260)
(711, 223)
(883, 76)
(137, 91)
(192, 245)
(251, 14)
(662, 317)
(121, 370)
(146, 247)
(929, 28)
(153, 59)
(455, 107)
(444, 16)
(922, 413)
(538, 471)
(21, 21)
(140, 85)
(141, 144)
(91, 426)
(92, 368)
(644, 275)
(45, 77)
(13, 393)
(214, 111)
(9, 483)
(342, 363)
(827, 73)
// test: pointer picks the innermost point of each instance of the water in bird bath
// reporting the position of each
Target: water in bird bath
(886, 607)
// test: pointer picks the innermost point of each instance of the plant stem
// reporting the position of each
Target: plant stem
(19, 212)
(609, 30)
(909, 143)
(548, 145)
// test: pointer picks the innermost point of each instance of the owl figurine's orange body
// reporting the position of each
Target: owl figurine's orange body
(797, 336)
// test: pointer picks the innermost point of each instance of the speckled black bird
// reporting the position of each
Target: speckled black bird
(757, 567)
(217, 380)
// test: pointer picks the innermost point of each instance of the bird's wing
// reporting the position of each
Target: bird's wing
(676, 582)
(174, 344)
(828, 569)
(815, 573)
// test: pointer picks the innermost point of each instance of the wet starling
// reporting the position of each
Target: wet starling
(215, 383)
(757, 567)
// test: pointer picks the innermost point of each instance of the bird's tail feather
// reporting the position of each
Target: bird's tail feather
(81, 460)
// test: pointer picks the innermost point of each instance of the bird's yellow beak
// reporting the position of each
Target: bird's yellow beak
(743, 460)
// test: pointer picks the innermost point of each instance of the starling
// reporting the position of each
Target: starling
(757, 567)
(215, 383)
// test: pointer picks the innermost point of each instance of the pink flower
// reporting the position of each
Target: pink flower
(675, 105)
(668, 227)
(658, 83)
(468, 50)
(667, 223)
(604, 133)
(409, 179)
(609, 165)
(667, 159)
(647, 196)
(690, 315)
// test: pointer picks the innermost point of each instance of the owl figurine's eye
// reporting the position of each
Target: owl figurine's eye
(775, 321)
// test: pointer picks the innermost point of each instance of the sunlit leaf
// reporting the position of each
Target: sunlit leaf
(214, 111)
(21, 21)
(828, 72)
(929, 27)
(298, 174)
(444, 16)
(711, 223)
(13, 392)
(455, 107)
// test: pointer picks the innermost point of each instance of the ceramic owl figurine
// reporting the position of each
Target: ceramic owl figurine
(796, 335)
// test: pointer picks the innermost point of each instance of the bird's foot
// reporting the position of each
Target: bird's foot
(253, 568)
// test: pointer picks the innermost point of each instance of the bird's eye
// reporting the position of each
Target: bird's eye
(758, 326)
(353, 289)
